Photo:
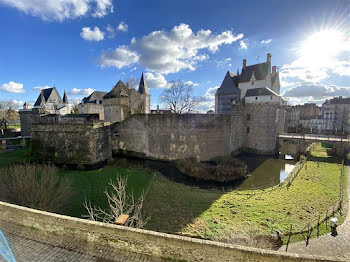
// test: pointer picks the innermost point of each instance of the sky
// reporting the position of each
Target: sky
(84, 45)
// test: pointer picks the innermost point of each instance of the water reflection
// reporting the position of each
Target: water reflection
(265, 172)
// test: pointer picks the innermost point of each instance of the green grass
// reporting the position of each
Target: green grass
(89, 185)
(178, 208)
(19, 156)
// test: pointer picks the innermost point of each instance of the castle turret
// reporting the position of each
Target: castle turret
(65, 98)
(143, 88)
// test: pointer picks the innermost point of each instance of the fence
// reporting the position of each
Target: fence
(315, 223)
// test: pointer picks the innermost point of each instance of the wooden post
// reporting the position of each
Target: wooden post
(318, 225)
(23, 142)
(3, 145)
(326, 218)
(290, 233)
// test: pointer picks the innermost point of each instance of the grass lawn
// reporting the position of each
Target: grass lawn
(91, 185)
(19, 156)
(213, 214)
(87, 184)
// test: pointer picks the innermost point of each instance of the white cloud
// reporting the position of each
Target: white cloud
(12, 87)
(319, 57)
(156, 80)
(168, 52)
(190, 83)
(111, 31)
(17, 104)
(316, 90)
(119, 58)
(81, 92)
(208, 102)
(49, 10)
(92, 35)
(242, 45)
(123, 27)
(38, 88)
(266, 41)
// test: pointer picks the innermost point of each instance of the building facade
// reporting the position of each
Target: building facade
(257, 83)
(48, 102)
(93, 104)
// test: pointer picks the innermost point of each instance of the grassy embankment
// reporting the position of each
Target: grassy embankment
(214, 214)
(88, 185)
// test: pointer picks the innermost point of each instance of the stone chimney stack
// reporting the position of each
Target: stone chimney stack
(244, 63)
(274, 69)
(268, 59)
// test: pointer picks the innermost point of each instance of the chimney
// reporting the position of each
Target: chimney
(244, 63)
(274, 69)
(127, 84)
(158, 109)
(268, 59)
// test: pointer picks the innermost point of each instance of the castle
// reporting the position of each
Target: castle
(249, 114)
(48, 102)
(255, 84)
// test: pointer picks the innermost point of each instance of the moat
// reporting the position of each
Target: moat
(263, 172)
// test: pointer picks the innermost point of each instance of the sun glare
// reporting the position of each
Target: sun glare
(322, 47)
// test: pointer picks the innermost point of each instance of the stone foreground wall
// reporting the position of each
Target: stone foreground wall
(71, 143)
(171, 247)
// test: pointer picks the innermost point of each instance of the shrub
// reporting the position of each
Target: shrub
(220, 169)
(34, 186)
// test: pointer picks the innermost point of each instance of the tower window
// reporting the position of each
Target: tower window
(248, 117)
(256, 98)
(248, 130)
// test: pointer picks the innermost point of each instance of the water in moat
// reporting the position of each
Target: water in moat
(264, 172)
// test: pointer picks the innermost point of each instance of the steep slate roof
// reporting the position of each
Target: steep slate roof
(263, 91)
(143, 88)
(229, 85)
(46, 94)
(65, 98)
(120, 89)
(260, 72)
(95, 96)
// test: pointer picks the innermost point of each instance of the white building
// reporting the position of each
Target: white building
(257, 83)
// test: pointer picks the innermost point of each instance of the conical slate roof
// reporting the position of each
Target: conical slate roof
(143, 88)
(120, 89)
(65, 98)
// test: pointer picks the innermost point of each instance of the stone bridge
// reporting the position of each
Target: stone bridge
(294, 143)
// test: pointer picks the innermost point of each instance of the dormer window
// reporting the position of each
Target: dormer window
(253, 82)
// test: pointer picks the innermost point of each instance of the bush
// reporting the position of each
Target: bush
(34, 186)
(220, 169)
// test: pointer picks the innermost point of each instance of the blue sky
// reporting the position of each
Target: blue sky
(86, 45)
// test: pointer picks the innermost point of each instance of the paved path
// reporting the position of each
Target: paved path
(328, 245)
(315, 137)
(29, 245)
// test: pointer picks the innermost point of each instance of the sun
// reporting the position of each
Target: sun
(322, 47)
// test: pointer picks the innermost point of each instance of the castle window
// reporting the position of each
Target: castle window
(271, 97)
(256, 98)
(248, 117)
(248, 130)
(253, 82)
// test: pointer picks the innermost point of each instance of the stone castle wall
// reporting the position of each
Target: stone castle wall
(173, 136)
(250, 128)
(71, 143)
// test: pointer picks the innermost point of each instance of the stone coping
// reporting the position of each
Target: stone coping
(143, 241)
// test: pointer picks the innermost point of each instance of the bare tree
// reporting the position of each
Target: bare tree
(8, 113)
(119, 202)
(179, 99)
